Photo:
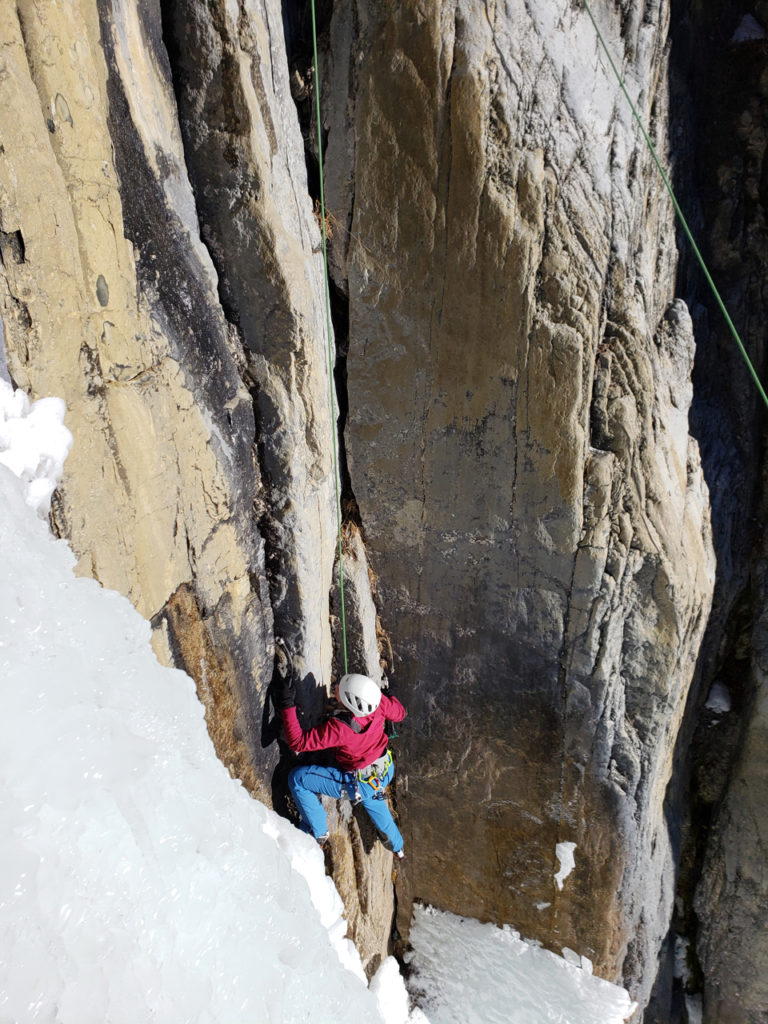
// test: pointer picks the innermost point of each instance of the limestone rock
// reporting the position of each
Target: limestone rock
(732, 898)
(246, 164)
(362, 870)
(368, 648)
(514, 383)
(110, 301)
(160, 272)
(720, 136)
(532, 502)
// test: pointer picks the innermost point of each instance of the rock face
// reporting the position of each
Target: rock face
(519, 383)
(161, 273)
(721, 134)
(527, 544)
(732, 897)
(110, 300)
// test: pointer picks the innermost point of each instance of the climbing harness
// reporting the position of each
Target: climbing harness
(375, 773)
(678, 210)
(328, 334)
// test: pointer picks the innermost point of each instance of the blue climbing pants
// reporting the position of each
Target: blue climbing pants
(308, 781)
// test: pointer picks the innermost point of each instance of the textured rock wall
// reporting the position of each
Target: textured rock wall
(514, 372)
(721, 131)
(732, 896)
(519, 383)
(126, 326)
(160, 271)
(246, 164)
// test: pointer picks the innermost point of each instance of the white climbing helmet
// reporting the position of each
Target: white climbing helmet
(360, 694)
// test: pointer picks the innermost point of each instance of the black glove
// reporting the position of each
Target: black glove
(285, 694)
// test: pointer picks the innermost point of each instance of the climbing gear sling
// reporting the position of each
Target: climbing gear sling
(375, 772)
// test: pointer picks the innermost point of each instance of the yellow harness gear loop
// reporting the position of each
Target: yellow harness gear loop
(374, 779)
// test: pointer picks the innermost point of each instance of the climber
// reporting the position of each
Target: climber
(364, 766)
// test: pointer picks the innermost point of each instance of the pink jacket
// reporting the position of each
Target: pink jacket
(353, 749)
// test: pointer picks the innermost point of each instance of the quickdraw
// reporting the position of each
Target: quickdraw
(380, 768)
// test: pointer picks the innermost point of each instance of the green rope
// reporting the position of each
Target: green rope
(329, 335)
(679, 212)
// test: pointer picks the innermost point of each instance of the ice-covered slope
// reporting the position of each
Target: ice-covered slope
(465, 972)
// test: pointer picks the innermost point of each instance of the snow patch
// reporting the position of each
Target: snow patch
(391, 994)
(33, 443)
(564, 854)
(694, 1007)
(4, 374)
(465, 972)
(719, 699)
(681, 969)
(572, 957)
(749, 30)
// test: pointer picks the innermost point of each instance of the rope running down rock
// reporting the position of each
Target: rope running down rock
(679, 211)
(329, 335)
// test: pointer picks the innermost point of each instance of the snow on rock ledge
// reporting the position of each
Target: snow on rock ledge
(564, 853)
(33, 443)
